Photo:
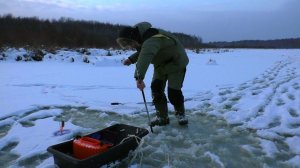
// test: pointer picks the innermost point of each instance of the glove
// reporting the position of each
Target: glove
(127, 62)
(140, 84)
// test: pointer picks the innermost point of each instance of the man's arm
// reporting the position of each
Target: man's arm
(131, 59)
(134, 57)
(148, 51)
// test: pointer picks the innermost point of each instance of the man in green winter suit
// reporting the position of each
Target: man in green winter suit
(166, 53)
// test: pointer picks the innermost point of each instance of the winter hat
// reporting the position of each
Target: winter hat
(142, 27)
(130, 33)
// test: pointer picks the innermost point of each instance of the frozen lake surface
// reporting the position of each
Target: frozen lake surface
(243, 110)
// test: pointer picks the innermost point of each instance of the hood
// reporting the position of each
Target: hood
(143, 27)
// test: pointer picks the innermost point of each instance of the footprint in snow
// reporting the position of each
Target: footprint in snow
(293, 112)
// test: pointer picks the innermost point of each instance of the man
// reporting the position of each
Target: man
(166, 53)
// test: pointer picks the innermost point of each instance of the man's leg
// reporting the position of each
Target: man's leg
(160, 102)
(175, 83)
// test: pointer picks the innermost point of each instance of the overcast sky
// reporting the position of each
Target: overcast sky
(213, 20)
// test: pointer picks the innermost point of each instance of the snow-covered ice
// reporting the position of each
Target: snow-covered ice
(243, 107)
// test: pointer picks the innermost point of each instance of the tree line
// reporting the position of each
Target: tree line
(67, 32)
(279, 43)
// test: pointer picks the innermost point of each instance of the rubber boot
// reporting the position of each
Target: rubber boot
(161, 118)
(180, 114)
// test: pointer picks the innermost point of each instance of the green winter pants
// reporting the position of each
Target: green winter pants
(175, 79)
(175, 83)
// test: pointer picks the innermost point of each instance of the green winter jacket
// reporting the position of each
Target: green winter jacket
(163, 50)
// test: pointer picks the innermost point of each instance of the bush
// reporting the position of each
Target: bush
(19, 58)
(27, 57)
(51, 50)
(108, 53)
(38, 55)
(86, 59)
(2, 56)
(84, 51)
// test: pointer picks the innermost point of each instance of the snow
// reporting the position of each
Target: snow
(251, 89)
(268, 147)
(42, 114)
(294, 161)
(294, 144)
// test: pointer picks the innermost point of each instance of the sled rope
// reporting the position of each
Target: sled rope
(140, 142)
(138, 150)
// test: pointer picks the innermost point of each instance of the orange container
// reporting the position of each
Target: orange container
(85, 147)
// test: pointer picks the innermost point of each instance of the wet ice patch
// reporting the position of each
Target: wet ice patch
(172, 145)
(186, 146)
